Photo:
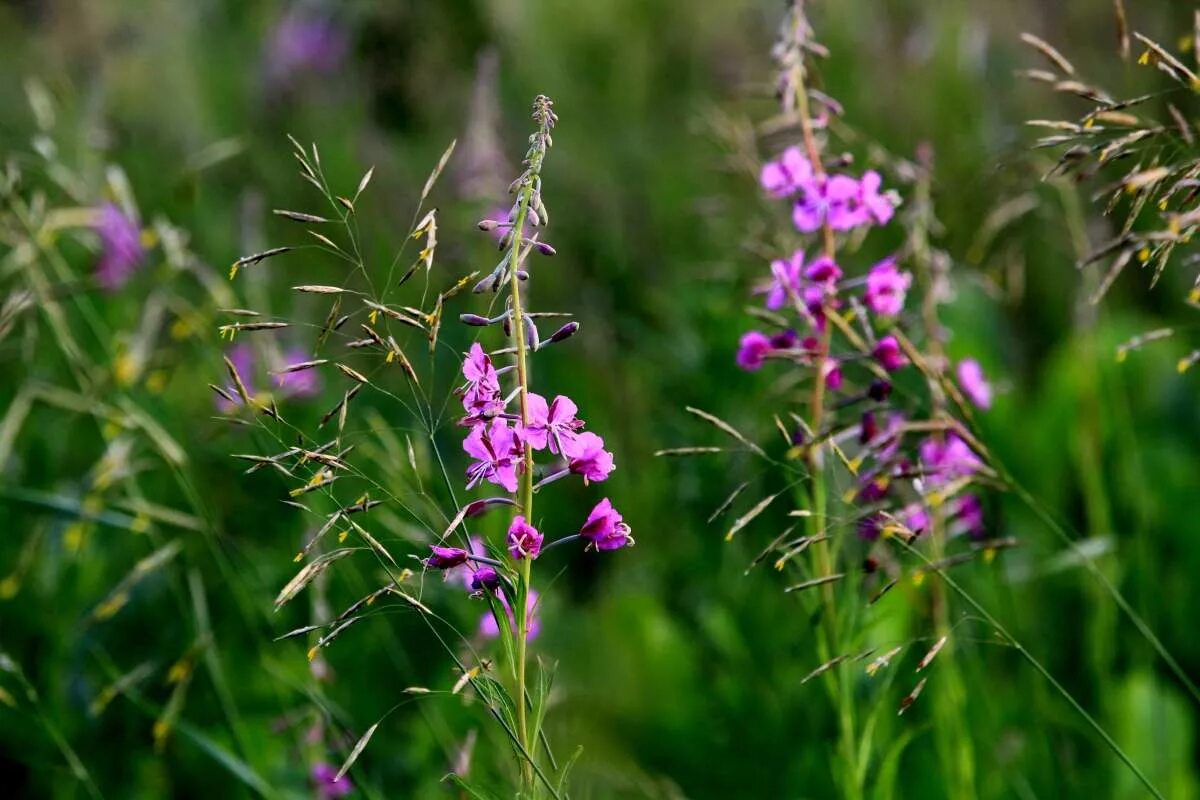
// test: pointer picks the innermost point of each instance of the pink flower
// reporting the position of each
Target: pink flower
(523, 541)
(974, 384)
(304, 383)
(823, 271)
(445, 557)
(121, 247)
(497, 454)
(552, 424)
(828, 199)
(752, 350)
(886, 287)
(831, 371)
(605, 528)
(914, 517)
(481, 396)
(490, 629)
(589, 458)
(787, 175)
(324, 777)
(947, 458)
(242, 356)
(968, 513)
(888, 354)
(878, 207)
(785, 280)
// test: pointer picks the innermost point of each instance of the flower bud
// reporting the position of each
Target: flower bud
(474, 319)
(485, 579)
(565, 332)
(880, 390)
(445, 557)
(478, 508)
(488, 224)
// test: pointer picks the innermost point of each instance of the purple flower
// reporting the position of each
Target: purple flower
(484, 579)
(242, 356)
(445, 557)
(823, 271)
(914, 517)
(832, 200)
(589, 458)
(785, 280)
(974, 384)
(303, 42)
(831, 371)
(752, 350)
(304, 383)
(969, 513)
(523, 540)
(605, 528)
(481, 396)
(878, 207)
(787, 175)
(888, 354)
(947, 458)
(496, 451)
(886, 287)
(490, 629)
(324, 777)
(552, 424)
(868, 428)
(871, 526)
(121, 247)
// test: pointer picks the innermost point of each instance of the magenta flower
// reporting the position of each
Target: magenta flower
(878, 207)
(914, 517)
(484, 579)
(831, 371)
(752, 350)
(305, 383)
(785, 280)
(242, 356)
(823, 271)
(445, 557)
(481, 396)
(605, 528)
(974, 384)
(787, 175)
(552, 424)
(886, 287)
(969, 514)
(324, 777)
(828, 199)
(497, 453)
(121, 247)
(947, 458)
(888, 354)
(589, 458)
(489, 628)
(523, 540)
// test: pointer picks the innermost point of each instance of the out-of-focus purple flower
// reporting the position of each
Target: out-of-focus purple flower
(484, 579)
(969, 513)
(871, 526)
(490, 629)
(304, 42)
(605, 528)
(868, 428)
(121, 247)
(242, 356)
(886, 288)
(324, 777)
(888, 354)
(551, 424)
(496, 451)
(445, 557)
(785, 340)
(877, 207)
(481, 396)
(785, 280)
(947, 458)
(831, 370)
(828, 199)
(873, 488)
(823, 271)
(914, 517)
(787, 175)
(304, 383)
(589, 458)
(524, 540)
(973, 383)
(752, 350)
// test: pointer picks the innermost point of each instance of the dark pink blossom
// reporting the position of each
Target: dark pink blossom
(605, 528)
(788, 174)
(947, 458)
(324, 777)
(968, 512)
(831, 371)
(589, 458)
(445, 557)
(886, 288)
(753, 349)
(877, 207)
(121, 247)
(785, 280)
(497, 454)
(524, 540)
(481, 395)
(888, 354)
(823, 271)
(914, 517)
(973, 383)
(550, 424)
(485, 579)
(832, 200)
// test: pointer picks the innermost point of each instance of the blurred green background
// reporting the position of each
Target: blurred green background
(679, 674)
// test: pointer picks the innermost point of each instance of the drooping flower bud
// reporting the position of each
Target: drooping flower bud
(445, 557)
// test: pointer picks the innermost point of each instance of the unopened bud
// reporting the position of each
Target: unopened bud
(544, 248)
(479, 507)
(488, 224)
(531, 334)
(880, 390)
(474, 319)
(565, 332)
